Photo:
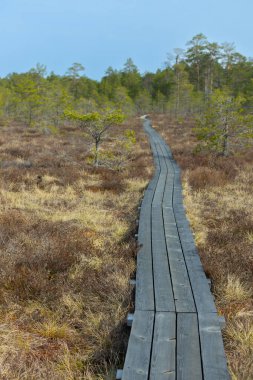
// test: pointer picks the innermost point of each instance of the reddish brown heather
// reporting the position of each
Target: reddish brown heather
(67, 252)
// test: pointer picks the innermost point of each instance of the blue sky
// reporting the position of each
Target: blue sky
(102, 33)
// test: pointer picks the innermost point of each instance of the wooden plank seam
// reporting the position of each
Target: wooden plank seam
(175, 329)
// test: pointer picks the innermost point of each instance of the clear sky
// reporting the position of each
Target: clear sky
(102, 33)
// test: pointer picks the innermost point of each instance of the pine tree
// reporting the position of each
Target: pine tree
(224, 124)
(182, 91)
(96, 125)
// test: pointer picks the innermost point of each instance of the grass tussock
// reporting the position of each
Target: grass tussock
(235, 290)
(66, 255)
(219, 204)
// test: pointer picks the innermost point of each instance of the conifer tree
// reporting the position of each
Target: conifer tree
(96, 125)
(224, 125)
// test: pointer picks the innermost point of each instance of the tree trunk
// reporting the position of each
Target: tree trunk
(198, 77)
(96, 161)
(211, 79)
(30, 117)
(206, 86)
(225, 142)
(178, 95)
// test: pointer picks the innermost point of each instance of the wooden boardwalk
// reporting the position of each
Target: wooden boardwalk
(175, 332)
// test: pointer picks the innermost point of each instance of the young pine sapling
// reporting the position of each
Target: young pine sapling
(96, 124)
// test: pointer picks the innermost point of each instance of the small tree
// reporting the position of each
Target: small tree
(75, 74)
(224, 122)
(27, 96)
(57, 100)
(118, 157)
(122, 100)
(96, 125)
(131, 78)
(182, 91)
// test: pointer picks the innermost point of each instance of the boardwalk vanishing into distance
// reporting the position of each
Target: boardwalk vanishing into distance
(176, 332)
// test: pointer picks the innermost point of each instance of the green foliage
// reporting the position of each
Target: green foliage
(117, 159)
(123, 101)
(131, 78)
(96, 124)
(57, 100)
(143, 102)
(26, 96)
(5, 95)
(184, 87)
(224, 124)
(182, 92)
(130, 138)
(40, 70)
(98, 120)
(75, 70)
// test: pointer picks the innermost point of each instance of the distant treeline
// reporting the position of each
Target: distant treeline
(181, 88)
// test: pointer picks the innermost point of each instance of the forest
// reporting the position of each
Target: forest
(181, 87)
(75, 162)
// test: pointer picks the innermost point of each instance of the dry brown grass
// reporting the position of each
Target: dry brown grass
(219, 203)
(66, 255)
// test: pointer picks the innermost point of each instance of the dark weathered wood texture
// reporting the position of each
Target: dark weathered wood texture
(212, 350)
(188, 349)
(163, 361)
(175, 333)
(139, 348)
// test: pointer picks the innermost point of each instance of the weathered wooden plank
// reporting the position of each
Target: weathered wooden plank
(167, 149)
(198, 281)
(179, 210)
(159, 192)
(168, 193)
(212, 350)
(163, 361)
(170, 216)
(188, 349)
(170, 226)
(144, 291)
(187, 274)
(201, 291)
(169, 186)
(183, 296)
(137, 360)
(182, 291)
(164, 298)
(182, 221)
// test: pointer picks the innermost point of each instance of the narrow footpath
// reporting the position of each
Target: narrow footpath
(176, 332)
